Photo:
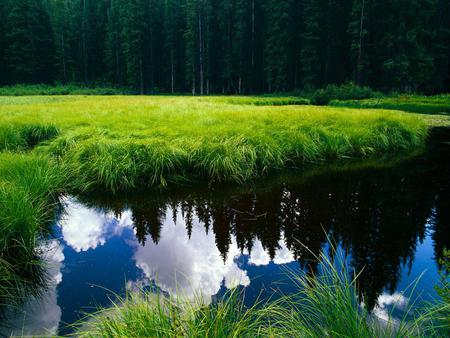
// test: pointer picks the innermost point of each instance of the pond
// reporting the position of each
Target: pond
(391, 220)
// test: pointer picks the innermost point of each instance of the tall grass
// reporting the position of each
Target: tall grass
(120, 143)
(327, 304)
(148, 314)
(29, 185)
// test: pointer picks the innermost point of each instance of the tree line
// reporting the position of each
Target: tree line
(227, 46)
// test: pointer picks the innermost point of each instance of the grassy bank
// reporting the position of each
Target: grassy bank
(411, 103)
(29, 185)
(324, 305)
(128, 142)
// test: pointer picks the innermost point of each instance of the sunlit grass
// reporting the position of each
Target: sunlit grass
(124, 142)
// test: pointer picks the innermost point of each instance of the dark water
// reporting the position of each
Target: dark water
(392, 222)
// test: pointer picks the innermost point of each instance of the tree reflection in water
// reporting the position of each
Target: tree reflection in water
(377, 215)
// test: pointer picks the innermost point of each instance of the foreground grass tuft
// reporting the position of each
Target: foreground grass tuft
(326, 304)
(148, 314)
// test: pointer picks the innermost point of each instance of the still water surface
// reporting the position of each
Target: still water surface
(392, 223)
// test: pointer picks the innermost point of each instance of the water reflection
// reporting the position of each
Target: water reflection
(378, 215)
(40, 314)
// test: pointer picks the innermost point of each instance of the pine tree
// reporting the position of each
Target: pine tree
(30, 52)
(113, 44)
(309, 56)
(60, 20)
(277, 39)
(4, 9)
(358, 30)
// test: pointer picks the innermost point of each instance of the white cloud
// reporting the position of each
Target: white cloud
(387, 302)
(259, 256)
(86, 228)
(189, 266)
(41, 316)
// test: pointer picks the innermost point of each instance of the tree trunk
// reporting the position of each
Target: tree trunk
(359, 63)
(201, 51)
(83, 36)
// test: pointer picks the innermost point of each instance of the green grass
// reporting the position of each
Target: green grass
(439, 104)
(324, 305)
(122, 142)
(29, 185)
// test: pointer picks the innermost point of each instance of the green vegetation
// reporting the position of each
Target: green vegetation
(41, 89)
(326, 304)
(227, 46)
(349, 91)
(118, 143)
(29, 186)
(411, 103)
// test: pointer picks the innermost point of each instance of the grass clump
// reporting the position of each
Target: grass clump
(267, 100)
(29, 185)
(439, 104)
(24, 136)
(148, 314)
(326, 304)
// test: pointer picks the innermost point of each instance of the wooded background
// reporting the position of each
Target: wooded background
(227, 46)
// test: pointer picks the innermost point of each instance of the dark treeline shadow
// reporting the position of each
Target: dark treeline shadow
(377, 214)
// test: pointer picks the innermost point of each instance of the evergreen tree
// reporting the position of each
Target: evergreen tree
(309, 55)
(276, 48)
(113, 44)
(358, 30)
(62, 35)
(4, 9)
(227, 46)
(30, 52)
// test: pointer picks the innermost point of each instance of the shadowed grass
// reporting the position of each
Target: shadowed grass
(71, 89)
(411, 103)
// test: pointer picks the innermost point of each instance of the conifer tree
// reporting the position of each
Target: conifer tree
(30, 51)
(309, 56)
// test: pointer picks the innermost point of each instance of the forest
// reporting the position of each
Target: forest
(227, 46)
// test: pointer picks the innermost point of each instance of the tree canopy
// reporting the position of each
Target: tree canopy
(227, 46)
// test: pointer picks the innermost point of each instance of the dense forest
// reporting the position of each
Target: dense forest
(227, 46)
